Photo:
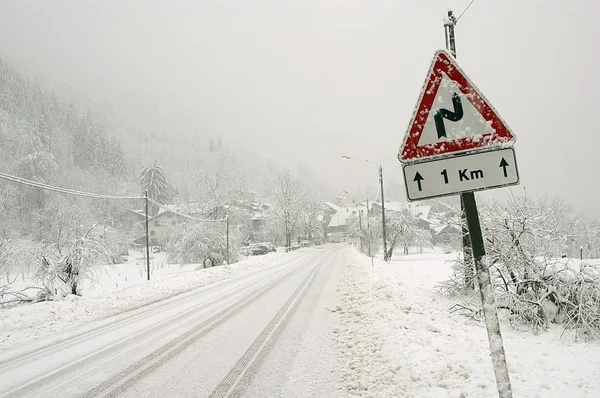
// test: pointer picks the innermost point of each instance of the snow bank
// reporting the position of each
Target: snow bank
(121, 287)
(365, 369)
(398, 338)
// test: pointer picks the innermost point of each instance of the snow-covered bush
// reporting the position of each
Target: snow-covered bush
(62, 272)
(535, 283)
(405, 230)
(199, 242)
(16, 256)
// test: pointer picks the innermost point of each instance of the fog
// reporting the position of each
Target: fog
(305, 82)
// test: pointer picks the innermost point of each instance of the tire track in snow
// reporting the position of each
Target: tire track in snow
(250, 361)
(76, 366)
(141, 312)
(142, 368)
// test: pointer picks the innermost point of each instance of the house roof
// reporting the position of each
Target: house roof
(141, 213)
(343, 215)
(332, 206)
(418, 211)
(445, 228)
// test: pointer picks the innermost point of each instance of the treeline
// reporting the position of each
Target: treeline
(47, 140)
(43, 137)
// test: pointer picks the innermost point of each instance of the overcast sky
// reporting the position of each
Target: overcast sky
(307, 81)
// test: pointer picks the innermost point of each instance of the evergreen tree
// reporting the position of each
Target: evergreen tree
(116, 166)
(154, 181)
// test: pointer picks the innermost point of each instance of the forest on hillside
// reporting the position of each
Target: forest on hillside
(49, 141)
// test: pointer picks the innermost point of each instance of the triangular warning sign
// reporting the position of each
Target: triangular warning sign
(451, 116)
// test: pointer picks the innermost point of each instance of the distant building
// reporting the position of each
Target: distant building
(161, 226)
(131, 218)
(343, 222)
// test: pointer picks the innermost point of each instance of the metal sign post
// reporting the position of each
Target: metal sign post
(457, 143)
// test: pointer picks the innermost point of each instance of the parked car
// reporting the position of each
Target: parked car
(271, 247)
(258, 249)
(305, 243)
(295, 246)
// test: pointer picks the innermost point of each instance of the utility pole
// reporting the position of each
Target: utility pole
(385, 253)
(486, 289)
(369, 233)
(382, 202)
(360, 229)
(466, 239)
(227, 237)
(147, 239)
(360, 219)
(451, 43)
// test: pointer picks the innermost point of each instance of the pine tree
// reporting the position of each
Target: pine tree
(154, 181)
(116, 166)
(84, 143)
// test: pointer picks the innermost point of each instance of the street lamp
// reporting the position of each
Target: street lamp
(385, 254)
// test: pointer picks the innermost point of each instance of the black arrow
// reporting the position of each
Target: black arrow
(504, 164)
(418, 179)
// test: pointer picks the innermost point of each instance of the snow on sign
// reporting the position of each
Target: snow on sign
(452, 116)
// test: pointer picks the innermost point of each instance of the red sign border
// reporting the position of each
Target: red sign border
(411, 151)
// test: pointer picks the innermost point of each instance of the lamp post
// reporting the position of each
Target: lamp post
(385, 253)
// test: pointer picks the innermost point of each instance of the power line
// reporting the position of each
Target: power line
(184, 215)
(47, 187)
(461, 14)
(35, 184)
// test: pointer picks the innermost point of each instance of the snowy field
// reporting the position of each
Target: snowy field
(398, 338)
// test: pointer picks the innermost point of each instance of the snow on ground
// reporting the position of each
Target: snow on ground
(119, 288)
(398, 338)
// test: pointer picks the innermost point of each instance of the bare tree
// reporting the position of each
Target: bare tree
(15, 257)
(310, 226)
(58, 223)
(290, 199)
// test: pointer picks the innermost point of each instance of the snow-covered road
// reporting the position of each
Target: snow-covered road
(267, 332)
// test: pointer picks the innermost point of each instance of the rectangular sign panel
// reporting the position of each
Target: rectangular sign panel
(464, 173)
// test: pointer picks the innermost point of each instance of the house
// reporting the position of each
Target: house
(345, 221)
(246, 195)
(131, 218)
(445, 226)
(447, 235)
(169, 217)
(420, 212)
(161, 226)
